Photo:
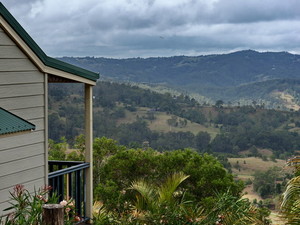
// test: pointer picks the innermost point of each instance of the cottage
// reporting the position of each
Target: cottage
(25, 71)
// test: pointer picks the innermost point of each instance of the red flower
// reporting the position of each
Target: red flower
(77, 219)
(19, 190)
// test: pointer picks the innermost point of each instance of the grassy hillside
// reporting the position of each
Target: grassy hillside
(134, 116)
(160, 123)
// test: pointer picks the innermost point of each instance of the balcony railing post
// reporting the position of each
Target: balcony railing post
(78, 192)
(61, 187)
(84, 193)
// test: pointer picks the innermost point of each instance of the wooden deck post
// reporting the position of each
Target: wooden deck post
(89, 148)
(53, 214)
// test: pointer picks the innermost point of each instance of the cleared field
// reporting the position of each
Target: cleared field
(266, 152)
(251, 164)
(160, 123)
(250, 194)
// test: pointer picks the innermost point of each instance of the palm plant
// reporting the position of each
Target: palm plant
(158, 204)
(290, 205)
(232, 210)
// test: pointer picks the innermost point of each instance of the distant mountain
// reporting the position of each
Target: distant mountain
(240, 76)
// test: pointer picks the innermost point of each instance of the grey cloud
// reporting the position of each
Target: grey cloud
(162, 27)
(235, 11)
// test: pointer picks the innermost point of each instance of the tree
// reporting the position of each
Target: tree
(57, 151)
(118, 171)
(173, 121)
(264, 182)
(103, 148)
(219, 103)
(254, 151)
(222, 143)
(202, 140)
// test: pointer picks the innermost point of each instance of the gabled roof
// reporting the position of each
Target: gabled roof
(10, 123)
(46, 60)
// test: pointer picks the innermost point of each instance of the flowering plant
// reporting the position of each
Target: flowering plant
(69, 207)
(25, 207)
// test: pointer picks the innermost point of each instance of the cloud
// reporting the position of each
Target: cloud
(131, 28)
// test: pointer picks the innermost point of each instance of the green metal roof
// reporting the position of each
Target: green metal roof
(48, 61)
(10, 123)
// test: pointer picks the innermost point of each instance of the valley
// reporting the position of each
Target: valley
(251, 128)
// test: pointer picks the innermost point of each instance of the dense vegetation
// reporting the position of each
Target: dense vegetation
(237, 77)
(240, 128)
(126, 168)
(143, 186)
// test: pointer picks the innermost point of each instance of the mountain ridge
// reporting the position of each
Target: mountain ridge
(212, 76)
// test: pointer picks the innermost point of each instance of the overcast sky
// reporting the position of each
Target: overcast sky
(145, 28)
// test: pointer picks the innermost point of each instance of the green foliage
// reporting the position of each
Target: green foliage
(264, 183)
(173, 121)
(222, 143)
(240, 127)
(248, 181)
(57, 151)
(152, 199)
(103, 149)
(202, 140)
(207, 193)
(253, 151)
(228, 209)
(27, 208)
(290, 203)
(117, 167)
(148, 209)
(219, 103)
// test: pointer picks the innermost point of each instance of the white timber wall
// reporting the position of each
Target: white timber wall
(22, 92)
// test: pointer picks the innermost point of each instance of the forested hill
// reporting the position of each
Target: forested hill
(137, 117)
(213, 76)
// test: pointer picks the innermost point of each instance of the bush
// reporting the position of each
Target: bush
(27, 208)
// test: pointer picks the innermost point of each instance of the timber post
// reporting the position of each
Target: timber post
(89, 149)
(53, 214)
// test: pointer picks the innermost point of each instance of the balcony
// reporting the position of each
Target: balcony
(68, 180)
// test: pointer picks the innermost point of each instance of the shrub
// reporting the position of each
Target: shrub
(26, 208)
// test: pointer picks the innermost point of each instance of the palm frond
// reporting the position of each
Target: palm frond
(166, 190)
(291, 193)
(146, 195)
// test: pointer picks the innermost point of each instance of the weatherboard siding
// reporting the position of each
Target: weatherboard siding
(28, 113)
(21, 152)
(28, 77)
(30, 185)
(11, 52)
(17, 103)
(22, 92)
(5, 40)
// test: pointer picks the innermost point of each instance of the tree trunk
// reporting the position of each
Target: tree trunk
(53, 214)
